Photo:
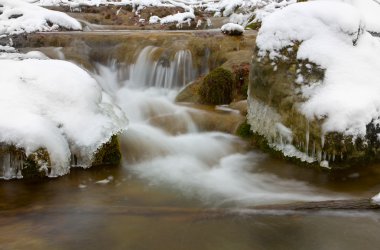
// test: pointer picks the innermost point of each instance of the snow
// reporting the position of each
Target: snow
(19, 17)
(370, 10)
(55, 105)
(180, 18)
(232, 28)
(240, 11)
(333, 36)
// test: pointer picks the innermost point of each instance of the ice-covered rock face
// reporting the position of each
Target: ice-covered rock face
(317, 67)
(17, 16)
(57, 106)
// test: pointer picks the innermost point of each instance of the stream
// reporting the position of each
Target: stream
(180, 185)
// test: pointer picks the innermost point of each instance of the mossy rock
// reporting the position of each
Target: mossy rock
(109, 153)
(244, 130)
(217, 87)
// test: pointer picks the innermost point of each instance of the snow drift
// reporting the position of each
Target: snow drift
(17, 17)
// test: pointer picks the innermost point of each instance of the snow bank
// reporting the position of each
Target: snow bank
(55, 105)
(20, 16)
(333, 36)
(232, 29)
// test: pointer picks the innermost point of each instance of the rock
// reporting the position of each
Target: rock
(190, 93)
(232, 29)
(241, 106)
(274, 98)
(217, 87)
(15, 163)
(227, 122)
(108, 154)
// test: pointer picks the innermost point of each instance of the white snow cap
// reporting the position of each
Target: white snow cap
(55, 105)
(232, 28)
(333, 36)
(19, 17)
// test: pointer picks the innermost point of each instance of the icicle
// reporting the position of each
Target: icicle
(319, 156)
(307, 138)
(322, 140)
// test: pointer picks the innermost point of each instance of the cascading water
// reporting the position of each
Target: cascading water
(173, 152)
(163, 72)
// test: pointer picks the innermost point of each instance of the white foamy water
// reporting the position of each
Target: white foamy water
(172, 153)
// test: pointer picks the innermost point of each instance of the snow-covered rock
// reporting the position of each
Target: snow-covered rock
(331, 35)
(57, 106)
(232, 29)
(18, 16)
(317, 68)
(179, 18)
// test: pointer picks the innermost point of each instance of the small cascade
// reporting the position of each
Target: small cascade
(156, 68)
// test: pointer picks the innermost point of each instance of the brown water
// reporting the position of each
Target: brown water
(128, 213)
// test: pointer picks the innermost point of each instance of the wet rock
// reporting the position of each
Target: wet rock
(16, 164)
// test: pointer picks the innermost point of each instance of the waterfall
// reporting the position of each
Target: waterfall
(163, 145)
(162, 71)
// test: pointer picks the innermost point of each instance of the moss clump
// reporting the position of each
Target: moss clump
(244, 130)
(217, 87)
(33, 163)
(254, 25)
(109, 153)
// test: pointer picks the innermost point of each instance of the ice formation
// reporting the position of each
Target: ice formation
(17, 16)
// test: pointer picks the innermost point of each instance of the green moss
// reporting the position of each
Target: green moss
(254, 26)
(244, 130)
(109, 153)
(217, 87)
(33, 162)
